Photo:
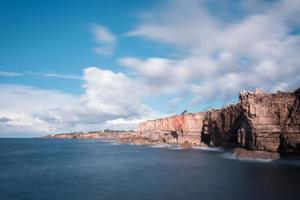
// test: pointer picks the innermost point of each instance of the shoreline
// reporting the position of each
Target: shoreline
(235, 153)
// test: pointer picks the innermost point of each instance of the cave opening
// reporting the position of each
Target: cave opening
(205, 138)
(174, 134)
(243, 135)
(205, 134)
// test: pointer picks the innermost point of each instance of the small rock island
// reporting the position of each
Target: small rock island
(260, 125)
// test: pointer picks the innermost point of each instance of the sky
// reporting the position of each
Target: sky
(75, 65)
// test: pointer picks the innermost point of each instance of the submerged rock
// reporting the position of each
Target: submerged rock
(186, 145)
(243, 153)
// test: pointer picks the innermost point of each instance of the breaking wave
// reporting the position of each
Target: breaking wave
(216, 149)
(231, 156)
(176, 147)
(161, 146)
(113, 143)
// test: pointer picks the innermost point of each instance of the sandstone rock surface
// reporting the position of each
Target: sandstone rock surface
(243, 153)
(255, 123)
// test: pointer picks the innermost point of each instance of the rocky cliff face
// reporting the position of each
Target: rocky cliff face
(271, 116)
(175, 129)
(259, 121)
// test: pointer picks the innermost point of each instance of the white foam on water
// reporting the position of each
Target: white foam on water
(133, 144)
(108, 141)
(113, 143)
(176, 147)
(231, 156)
(216, 149)
(161, 146)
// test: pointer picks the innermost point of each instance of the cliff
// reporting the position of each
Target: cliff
(260, 121)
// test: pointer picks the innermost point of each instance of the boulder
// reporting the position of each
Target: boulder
(186, 145)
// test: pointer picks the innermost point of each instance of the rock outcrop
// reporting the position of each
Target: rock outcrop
(245, 154)
(174, 130)
(260, 121)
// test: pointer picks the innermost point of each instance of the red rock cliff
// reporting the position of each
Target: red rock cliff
(259, 121)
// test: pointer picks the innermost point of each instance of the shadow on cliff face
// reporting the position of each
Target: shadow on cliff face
(210, 134)
(174, 135)
(282, 148)
(228, 128)
(170, 137)
(287, 145)
(241, 132)
(205, 138)
(262, 119)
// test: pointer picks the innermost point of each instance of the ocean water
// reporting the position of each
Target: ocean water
(93, 170)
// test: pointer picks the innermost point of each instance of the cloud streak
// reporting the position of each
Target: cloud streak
(56, 75)
(9, 74)
(104, 39)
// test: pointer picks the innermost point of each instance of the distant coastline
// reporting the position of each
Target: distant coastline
(261, 125)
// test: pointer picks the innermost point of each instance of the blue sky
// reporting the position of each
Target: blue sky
(51, 36)
(88, 65)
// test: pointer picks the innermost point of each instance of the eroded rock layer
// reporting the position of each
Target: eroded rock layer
(260, 121)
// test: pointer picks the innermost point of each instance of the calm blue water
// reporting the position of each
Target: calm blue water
(91, 170)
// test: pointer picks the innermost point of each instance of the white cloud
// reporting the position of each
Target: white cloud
(166, 76)
(23, 105)
(56, 75)
(4, 119)
(216, 58)
(108, 96)
(102, 34)
(179, 22)
(64, 76)
(221, 57)
(104, 39)
(106, 50)
(114, 94)
(9, 74)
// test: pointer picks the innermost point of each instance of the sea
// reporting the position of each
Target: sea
(73, 169)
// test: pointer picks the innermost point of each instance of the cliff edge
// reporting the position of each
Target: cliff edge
(260, 121)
